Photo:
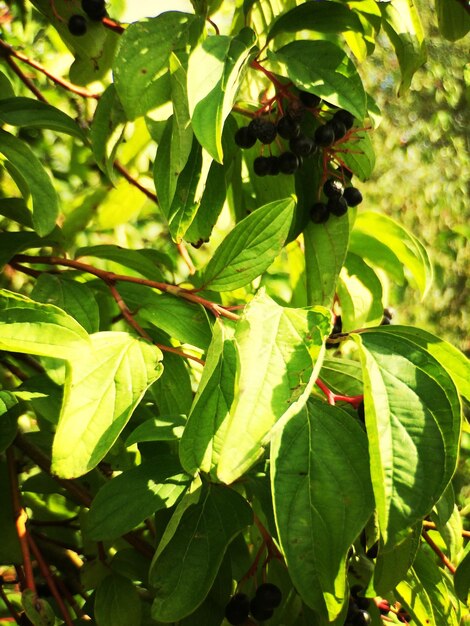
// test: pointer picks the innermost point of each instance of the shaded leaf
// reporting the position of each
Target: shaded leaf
(44, 198)
(107, 129)
(163, 428)
(195, 551)
(154, 485)
(322, 499)
(117, 602)
(453, 19)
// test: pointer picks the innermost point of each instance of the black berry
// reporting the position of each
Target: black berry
(288, 162)
(333, 188)
(274, 165)
(373, 551)
(319, 213)
(95, 9)
(262, 166)
(345, 172)
(264, 130)
(337, 206)
(338, 325)
(352, 196)
(338, 127)
(362, 603)
(361, 618)
(237, 609)
(403, 616)
(268, 596)
(302, 146)
(288, 128)
(258, 611)
(324, 136)
(244, 138)
(309, 99)
(345, 117)
(77, 25)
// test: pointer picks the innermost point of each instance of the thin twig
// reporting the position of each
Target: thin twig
(133, 181)
(46, 572)
(20, 520)
(80, 91)
(438, 551)
(13, 612)
(24, 79)
(432, 526)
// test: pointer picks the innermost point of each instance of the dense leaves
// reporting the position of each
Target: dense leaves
(208, 414)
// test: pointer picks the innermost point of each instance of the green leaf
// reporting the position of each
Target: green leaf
(44, 197)
(322, 499)
(163, 428)
(107, 129)
(10, 549)
(174, 147)
(403, 26)
(180, 319)
(462, 577)
(209, 414)
(359, 155)
(172, 391)
(141, 64)
(154, 485)
(73, 297)
(412, 413)
(38, 611)
(427, 592)
(279, 354)
(391, 566)
(322, 68)
(326, 246)
(137, 260)
(15, 209)
(8, 419)
(360, 293)
(212, 93)
(117, 602)
(342, 376)
(12, 243)
(195, 551)
(250, 248)
(321, 17)
(383, 241)
(454, 361)
(6, 88)
(35, 114)
(453, 19)
(42, 329)
(104, 385)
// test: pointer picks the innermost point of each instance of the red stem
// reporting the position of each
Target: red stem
(439, 552)
(332, 397)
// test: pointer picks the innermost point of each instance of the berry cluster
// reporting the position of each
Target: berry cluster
(95, 10)
(357, 611)
(267, 598)
(337, 201)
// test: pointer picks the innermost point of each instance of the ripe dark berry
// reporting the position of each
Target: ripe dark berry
(258, 611)
(244, 138)
(361, 618)
(288, 128)
(95, 9)
(338, 325)
(352, 196)
(344, 117)
(403, 616)
(337, 206)
(373, 551)
(262, 166)
(302, 146)
(324, 136)
(237, 608)
(264, 130)
(77, 25)
(309, 99)
(338, 127)
(288, 162)
(268, 596)
(319, 213)
(274, 165)
(333, 188)
(362, 603)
